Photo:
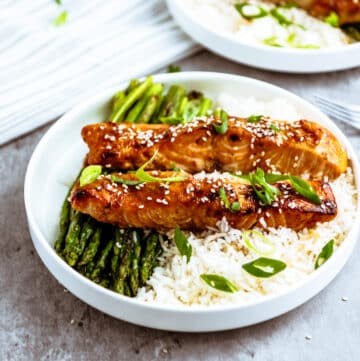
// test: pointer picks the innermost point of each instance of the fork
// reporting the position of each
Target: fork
(349, 114)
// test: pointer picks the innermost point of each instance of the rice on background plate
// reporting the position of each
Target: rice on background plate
(222, 251)
(223, 17)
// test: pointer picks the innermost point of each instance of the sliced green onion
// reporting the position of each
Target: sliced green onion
(250, 11)
(304, 188)
(332, 19)
(224, 198)
(127, 182)
(223, 127)
(219, 283)
(281, 19)
(272, 41)
(90, 174)
(61, 19)
(173, 69)
(255, 118)
(267, 193)
(235, 206)
(273, 178)
(325, 254)
(58, 2)
(182, 244)
(146, 177)
(257, 242)
(275, 128)
(264, 267)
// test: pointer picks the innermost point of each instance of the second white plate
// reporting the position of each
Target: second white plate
(265, 57)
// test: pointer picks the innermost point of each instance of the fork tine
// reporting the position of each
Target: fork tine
(341, 117)
(332, 109)
(338, 105)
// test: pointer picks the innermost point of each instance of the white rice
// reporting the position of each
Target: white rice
(222, 251)
(223, 17)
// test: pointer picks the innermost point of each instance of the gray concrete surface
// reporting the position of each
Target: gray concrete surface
(39, 321)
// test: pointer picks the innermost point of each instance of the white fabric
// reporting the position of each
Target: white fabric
(45, 70)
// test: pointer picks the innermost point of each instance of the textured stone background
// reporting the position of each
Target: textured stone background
(39, 321)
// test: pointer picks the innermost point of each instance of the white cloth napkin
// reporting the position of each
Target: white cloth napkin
(47, 69)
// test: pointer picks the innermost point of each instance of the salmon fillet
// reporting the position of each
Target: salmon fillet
(300, 148)
(347, 10)
(195, 203)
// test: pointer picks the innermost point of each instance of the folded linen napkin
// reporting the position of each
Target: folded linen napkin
(46, 69)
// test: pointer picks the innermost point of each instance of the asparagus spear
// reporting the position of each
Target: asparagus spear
(74, 251)
(63, 224)
(132, 85)
(148, 110)
(73, 235)
(117, 101)
(66, 215)
(91, 249)
(134, 275)
(148, 256)
(131, 98)
(118, 251)
(172, 98)
(136, 111)
(101, 263)
(124, 268)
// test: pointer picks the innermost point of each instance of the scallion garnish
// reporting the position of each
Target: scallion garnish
(127, 182)
(304, 188)
(258, 242)
(182, 244)
(282, 19)
(235, 206)
(223, 197)
(255, 118)
(90, 174)
(223, 127)
(264, 191)
(219, 283)
(264, 267)
(325, 254)
(61, 19)
(58, 2)
(272, 41)
(250, 11)
(261, 183)
(143, 176)
(275, 128)
(332, 19)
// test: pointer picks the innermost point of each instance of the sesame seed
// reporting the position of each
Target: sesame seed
(141, 206)
(345, 299)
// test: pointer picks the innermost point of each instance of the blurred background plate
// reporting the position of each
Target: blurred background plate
(265, 57)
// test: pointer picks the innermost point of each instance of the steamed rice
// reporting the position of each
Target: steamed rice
(222, 251)
(221, 15)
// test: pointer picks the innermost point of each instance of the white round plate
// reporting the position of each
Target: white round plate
(261, 56)
(56, 162)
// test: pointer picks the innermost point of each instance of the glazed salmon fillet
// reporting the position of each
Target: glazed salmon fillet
(195, 203)
(301, 148)
(348, 11)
